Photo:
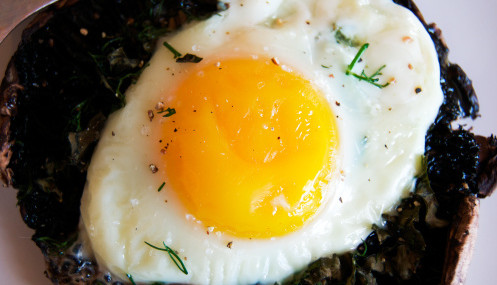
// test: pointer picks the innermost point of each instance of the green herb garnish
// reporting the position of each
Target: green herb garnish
(130, 279)
(77, 113)
(189, 58)
(161, 186)
(341, 38)
(325, 66)
(169, 112)
(356, 58)
(171, 49)
(370, 79)
(182, 59)
(110, 42)
(176, 259)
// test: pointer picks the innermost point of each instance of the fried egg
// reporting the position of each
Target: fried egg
(300, 125)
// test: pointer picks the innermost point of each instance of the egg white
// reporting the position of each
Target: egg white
(382, 133)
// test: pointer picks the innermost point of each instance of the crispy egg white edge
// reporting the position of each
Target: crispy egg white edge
(115, 221)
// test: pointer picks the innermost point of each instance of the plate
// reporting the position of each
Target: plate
(472, 42)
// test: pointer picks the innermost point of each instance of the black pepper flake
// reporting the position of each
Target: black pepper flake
(229, 245)
(113, 134)
(386, 146)
(418, 90)
(279, 137)
(175, 130)
(337, 103)
(150, 115)
(340, 199)
(153, 168)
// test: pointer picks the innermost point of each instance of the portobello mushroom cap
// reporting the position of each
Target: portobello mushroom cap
(69, 73)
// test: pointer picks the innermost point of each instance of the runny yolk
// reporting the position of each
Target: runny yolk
(250, 148)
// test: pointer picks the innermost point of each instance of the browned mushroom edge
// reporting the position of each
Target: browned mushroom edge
(458, 199)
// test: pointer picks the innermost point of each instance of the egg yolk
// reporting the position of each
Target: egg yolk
(251, 147)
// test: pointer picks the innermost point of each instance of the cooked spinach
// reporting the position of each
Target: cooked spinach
(74, 68)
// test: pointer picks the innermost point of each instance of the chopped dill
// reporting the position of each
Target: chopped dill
(341, 38)
(98, 60)
(176, 259)
(130, 277)
(189, 58)
(161, 186)
(76, 118)
(179, 57)
(169, 112)
(171, 49)
(111, 41)
(370, 79)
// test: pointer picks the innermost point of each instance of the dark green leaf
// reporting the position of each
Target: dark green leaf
(171, 49)
(189, 58)
(176, 259)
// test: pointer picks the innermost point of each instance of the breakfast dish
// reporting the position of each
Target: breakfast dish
(164, 210)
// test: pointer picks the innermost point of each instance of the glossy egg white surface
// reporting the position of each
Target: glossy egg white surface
(381, 133)
(22, 263)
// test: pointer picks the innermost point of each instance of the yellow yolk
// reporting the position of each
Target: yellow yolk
(250, 149)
